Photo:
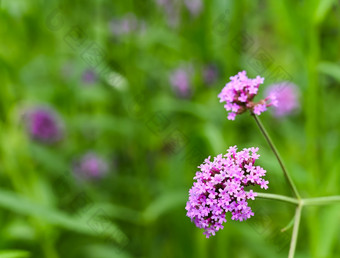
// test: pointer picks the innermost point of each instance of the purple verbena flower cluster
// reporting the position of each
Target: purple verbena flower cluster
(89, 76)
(172, 9)
(210, 74)
(90, 165)
(125, 25)
(180, 81)
(44, 125)
(194, 6)
(220, 188)
(239, 94)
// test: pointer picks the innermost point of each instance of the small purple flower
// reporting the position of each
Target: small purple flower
(90, 165)
(89, 76)
(194, 6)
(220, 188)
(124, 25)
(44, 125)
(287, 95)
(239, 94)
(210, 74)
(180, 81)
(171, 10)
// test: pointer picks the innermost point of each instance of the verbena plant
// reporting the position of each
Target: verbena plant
(222, 184)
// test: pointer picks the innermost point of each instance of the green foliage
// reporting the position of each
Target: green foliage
(14, 254)
(152, 138)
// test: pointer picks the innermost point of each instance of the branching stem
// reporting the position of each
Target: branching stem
(276, 153)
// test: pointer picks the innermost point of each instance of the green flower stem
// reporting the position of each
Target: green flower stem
(278, 198)
(290, 224)
(321, 200)
(272, 146)
(302, 202)
(297, 201)
(295, 231)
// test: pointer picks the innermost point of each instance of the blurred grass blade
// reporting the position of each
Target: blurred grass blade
(214, 137)
(329, 231)
(104, 251)
(164, 204)
(90, 224)
(323, 8)
(117, 212)
(331, 69)
(14, 254)
(48, 158)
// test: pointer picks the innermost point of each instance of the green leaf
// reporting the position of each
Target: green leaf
(104, 251)
(164, 204)
(331, 69)
(214, 137)
(289, 225)
(322, 10)
(329, 230)
(88, 223)
(48, 158)
(115, 211)
(171, 105)
(14, 254)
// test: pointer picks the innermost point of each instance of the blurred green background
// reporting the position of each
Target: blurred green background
(109, 69)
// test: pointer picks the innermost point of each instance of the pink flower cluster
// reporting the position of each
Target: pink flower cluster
(220, 188)
(239, 94)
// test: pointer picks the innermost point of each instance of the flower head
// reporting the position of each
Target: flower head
(220, 188)
(44, 125)
(89, 76)
(90, 165)
(194, 6)
(287, 95)
(171, 10)
(239, 94)
(210, 74)
(180, 81)
(124, 25)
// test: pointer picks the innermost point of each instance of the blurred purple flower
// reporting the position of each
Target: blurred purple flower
(164, 3)
(171, 10)
(44, 125)
(180, 81)
(194, 6)
(125, 25)
(89, 76)
(210, 74)
(287, 96)
(90, 166)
